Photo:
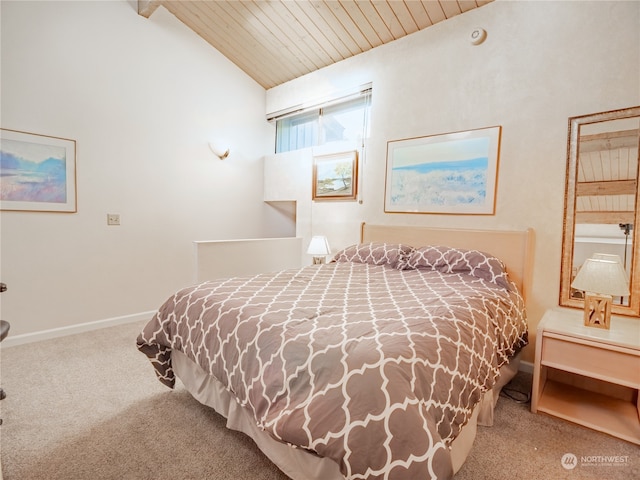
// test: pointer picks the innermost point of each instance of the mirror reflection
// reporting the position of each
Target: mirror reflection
(601, 200)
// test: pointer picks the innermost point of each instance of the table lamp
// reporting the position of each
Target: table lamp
(319, 248)
(600, 280)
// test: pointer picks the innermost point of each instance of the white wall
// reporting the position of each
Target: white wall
(542, 62)
(142, 98)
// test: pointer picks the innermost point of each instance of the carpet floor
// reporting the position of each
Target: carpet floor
(88, 406)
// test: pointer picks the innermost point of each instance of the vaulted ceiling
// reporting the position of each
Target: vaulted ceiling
(275, 41)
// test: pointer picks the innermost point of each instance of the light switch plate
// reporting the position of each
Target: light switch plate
(113, 219)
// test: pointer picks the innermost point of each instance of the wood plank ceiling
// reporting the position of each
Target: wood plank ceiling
(275, 41)
(607, 177)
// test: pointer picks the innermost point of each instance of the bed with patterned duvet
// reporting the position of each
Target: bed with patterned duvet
(373, 361)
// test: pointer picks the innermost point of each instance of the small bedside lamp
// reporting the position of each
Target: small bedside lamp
(600, 279)
(319, 248)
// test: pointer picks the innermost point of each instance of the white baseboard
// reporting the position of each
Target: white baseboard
(12, 341)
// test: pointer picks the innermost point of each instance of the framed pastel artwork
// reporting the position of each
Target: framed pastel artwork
(37, 172)
(452, 173)
(335, 176)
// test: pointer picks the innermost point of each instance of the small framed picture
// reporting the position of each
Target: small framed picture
(37, 172)
(335, 176)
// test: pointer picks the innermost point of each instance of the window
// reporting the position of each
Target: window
(345, 120)
(298, 131)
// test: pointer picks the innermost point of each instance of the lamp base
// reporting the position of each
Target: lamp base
(597, 310)
(318, 260)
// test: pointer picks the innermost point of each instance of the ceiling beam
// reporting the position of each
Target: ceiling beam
(147, 7)
(612, 187)
(609, 141)
(603, 217)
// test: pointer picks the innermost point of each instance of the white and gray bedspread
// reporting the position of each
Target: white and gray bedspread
(374, 364)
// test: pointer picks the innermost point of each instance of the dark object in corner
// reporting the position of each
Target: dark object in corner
(4, 331)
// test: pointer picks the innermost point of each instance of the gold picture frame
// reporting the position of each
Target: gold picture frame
(451, 173)
(38, 172)
(335, 176)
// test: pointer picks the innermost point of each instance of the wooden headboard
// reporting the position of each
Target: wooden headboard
(513, 247)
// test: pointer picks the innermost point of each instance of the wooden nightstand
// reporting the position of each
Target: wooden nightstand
(588, 375)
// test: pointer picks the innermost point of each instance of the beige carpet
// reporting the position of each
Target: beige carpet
(89, 407)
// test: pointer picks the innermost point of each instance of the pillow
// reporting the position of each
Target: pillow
(393, 254)
(455, 260)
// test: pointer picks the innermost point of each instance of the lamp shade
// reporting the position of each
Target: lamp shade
(318, 246)
(612, 257)
(603, 277)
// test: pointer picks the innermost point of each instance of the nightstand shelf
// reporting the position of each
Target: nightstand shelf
(593, 410)
(570, 356)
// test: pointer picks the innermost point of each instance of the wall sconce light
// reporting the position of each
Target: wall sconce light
(600, 279)
(319, 248)
(221, 154)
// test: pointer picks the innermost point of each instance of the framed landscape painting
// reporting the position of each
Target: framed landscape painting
(453, 173)
(37, 172)
(335, 176)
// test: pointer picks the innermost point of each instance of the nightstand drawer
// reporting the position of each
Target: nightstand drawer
(596, 362)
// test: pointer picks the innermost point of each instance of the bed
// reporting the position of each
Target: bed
(378, 364)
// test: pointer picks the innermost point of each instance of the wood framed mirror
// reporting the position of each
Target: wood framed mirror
(602, 201)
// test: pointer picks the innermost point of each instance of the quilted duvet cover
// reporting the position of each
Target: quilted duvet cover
(375, 360)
